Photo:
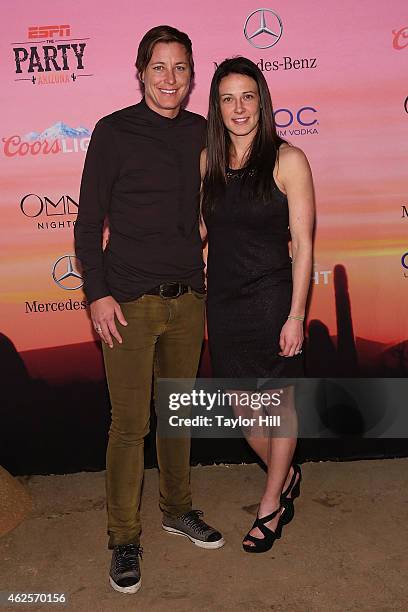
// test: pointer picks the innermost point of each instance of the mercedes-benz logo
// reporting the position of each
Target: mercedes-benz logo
(258, 33)
(65, 273)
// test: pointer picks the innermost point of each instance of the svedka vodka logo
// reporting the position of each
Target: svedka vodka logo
(50, 56)
(404, 264)
(299, 121)
(58, 138)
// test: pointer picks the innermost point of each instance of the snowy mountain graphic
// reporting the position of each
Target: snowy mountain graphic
(58, 130)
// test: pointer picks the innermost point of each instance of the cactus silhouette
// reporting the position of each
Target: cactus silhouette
(321, 354)
(14, 377)
(323, 358)
(346, 345)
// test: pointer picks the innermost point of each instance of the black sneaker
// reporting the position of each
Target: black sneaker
(191, 526)
(124, 573)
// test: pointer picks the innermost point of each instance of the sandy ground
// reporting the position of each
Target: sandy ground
(345, 550)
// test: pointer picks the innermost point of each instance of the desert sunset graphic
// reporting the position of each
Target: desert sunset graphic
(357, 150)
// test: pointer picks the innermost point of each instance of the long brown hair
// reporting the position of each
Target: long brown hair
(264, 147)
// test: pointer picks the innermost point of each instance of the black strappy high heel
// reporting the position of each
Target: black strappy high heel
(263, 544)
(287, 502)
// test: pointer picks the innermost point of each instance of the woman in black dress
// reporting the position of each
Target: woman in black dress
(257, 196)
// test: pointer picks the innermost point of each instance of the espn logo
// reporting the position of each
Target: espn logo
(49, 31)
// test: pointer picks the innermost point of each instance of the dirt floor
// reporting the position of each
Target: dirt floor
(345, 550)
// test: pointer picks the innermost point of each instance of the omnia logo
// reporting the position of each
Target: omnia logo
(50, 213)
(33, 205)
(49, 32)
(320, 277)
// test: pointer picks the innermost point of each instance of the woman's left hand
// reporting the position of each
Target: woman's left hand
(291, 338)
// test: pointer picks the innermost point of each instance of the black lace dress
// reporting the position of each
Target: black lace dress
(249, 283)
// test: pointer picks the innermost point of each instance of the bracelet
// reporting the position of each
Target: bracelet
(296, 318)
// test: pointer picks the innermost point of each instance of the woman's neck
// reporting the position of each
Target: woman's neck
(239, 149)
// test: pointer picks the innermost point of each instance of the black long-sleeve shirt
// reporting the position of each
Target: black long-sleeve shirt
(142, 172)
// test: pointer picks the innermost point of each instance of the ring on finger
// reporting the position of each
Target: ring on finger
(98, 329)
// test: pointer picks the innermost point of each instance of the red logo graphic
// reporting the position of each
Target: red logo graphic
(48, 32)
(15, 146)
(400, 38)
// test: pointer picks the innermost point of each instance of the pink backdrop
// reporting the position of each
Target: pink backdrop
(337, 73)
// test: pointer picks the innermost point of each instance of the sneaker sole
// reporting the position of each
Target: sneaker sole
(129, 590)
(200, 543)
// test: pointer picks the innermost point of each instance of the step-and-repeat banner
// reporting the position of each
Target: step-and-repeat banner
(337, 73)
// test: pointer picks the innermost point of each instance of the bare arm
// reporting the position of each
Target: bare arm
(295, 177)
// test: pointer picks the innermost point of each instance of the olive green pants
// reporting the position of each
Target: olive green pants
(163, 339)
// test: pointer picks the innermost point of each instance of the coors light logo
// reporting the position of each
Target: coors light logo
(400, 38)
(59, 138)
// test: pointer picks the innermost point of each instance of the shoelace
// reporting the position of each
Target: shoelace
(192, 519)
(128, 556)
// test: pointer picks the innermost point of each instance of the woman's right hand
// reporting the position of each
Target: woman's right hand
(103, 313)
